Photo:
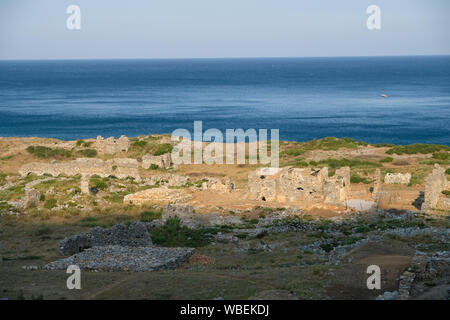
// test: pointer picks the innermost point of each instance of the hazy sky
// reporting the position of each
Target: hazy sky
(36, 29)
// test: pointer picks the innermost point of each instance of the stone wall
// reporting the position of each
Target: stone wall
(191, 219)
(163, 161)
(305, 185)
(224, 186)
(111, 145)
(135, 235)
(157, 195)
(120, 168)
(435, 183)
(397, 178)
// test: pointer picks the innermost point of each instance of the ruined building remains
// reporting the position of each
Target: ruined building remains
(435, 183)
(121, 168)
(112, 145)
(300, 185)
(163, 161)
(397, 178)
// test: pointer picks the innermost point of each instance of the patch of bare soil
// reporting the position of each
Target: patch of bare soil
(350, 279)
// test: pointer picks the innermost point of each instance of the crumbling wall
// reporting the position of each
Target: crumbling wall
(191, 219)
(159, 195)
(134, 235)
(163, 161)
(435, 183)
(305, 185)
(262, 184)
(224, 186)
(397, 178)
(112, 145)
(120, 168)
(337, 188)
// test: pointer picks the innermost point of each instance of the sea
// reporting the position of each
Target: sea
(400, 100)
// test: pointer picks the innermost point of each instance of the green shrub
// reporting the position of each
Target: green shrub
(5, 206)
(327, 247)
(338, 163)
(172, 234)
(98, 183)
(82, 143)
(313, 163)
(301, 163)
(350, 240)
(89, 222)
(154, 166)
(381, 145)
(148, 216)
(362, 229)
(332, 143)
(139, 144)
(163, 149)
(45, 152)
(44, 230)
(89, 153)
(446, 192)
(387, 159)
(441, 156)
(50, 203)
(447, 171)
(417, 148)
(354, 178)
(291, 152)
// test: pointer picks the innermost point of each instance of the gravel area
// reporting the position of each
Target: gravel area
(119, 258)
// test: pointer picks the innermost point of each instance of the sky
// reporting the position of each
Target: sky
(135, 29)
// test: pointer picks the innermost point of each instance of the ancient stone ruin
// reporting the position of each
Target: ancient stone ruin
(119, 248)
(112, 145)
(157, 195)
(224, 186)
(397, 178)
(435, 183)
(121, 168)
(299, 185)
(191, 219)
(135, 235)
(163, 161)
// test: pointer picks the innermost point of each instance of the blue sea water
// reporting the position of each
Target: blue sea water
(305, 98)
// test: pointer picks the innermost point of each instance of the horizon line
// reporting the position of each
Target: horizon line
(231, 58)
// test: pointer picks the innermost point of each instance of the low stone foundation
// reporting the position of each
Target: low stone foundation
(135, 235)
(121, 258)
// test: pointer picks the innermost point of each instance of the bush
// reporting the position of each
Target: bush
(45, 152)
(417, 148)
(50, 203)
(446, 192)
(163, 149)
(5, 206)
(447, 171)
(98, 183)
(89, 153)
(154, 166)
(338, 163)
(357, 179)
(332, 143)
(301, 163)
(441, 156)
(172, 234)
(82, 143)
(387, 159)
(291, 152)
(139, 144)
(148, 216)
